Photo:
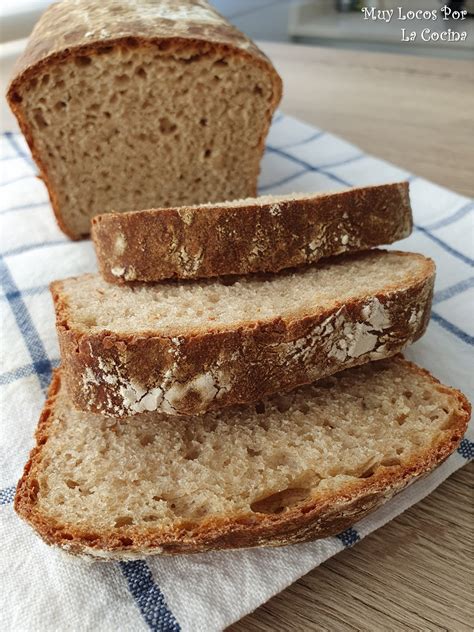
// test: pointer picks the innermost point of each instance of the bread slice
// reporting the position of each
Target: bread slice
(184, 348)
(300, 466)
(142, 104)
(264, 234)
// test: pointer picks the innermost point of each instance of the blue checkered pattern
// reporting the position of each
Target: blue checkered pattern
(33, 252)
(148, 596)
(349, 537)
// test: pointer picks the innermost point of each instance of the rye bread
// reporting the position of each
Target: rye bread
(158, 104)
(297, 467)
(265, 234)
(189, 347)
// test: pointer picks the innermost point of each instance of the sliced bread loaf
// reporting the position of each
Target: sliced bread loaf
(264, 234)
(297, 467)
(185, 348)
(132, 104)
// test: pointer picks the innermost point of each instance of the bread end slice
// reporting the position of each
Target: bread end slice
(263, 234)
(380, 427)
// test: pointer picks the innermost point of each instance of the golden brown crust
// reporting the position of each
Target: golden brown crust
(70, 29)
(218, 240)
(204, 370)
(323, 515)
(68, 26)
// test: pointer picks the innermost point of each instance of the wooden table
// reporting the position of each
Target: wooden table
(415, 573)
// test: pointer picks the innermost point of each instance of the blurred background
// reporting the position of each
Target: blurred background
(332, 23)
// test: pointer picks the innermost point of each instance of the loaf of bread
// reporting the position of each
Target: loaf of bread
(130, 104)
(184, 348)
(296, 467)
(264, 234)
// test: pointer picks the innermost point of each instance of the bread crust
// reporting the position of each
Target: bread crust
(322, 515)
(122, 374)
(69, 29)
(213, 240)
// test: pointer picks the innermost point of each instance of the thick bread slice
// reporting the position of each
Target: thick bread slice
(185, 348)
(264, 234)
(130, 104)
(297, 467)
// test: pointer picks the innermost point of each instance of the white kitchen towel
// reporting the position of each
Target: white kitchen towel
(45, 590)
